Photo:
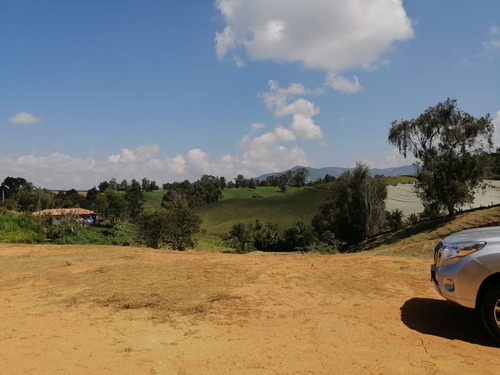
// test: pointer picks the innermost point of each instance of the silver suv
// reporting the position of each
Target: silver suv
(466, 270)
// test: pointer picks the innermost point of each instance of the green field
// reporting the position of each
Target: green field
(153, 199)
(283, 209)
(399, 180)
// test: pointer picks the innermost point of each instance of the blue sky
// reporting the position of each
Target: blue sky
(170, 90)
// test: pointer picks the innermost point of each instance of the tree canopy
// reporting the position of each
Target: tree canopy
(356, 209)
(451, 148)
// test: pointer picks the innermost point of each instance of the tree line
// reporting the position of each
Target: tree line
(452, 153)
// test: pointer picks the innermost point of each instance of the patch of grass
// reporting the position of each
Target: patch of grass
(116, 234)
(153, 199)
(17, 228)
(211, 244)
(420, 239)
(284, 210)
(261, 192)
(393, 181)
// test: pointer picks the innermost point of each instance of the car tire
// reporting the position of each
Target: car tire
(490, 311)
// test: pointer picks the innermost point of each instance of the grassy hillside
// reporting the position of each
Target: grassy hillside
(261, 192)
(419, 240)
(282, 209)
(153, 199)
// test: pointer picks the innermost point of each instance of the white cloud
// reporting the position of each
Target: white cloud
(494, 29)
(256, 161)
(257, 125)
(302, 126)
(491, 45)
(266, 152)
(333, 35)
(24, 118)
(496, 136)
(343, 84)
(393, 159)
(61, 171)
(140, 155)
(224, 41)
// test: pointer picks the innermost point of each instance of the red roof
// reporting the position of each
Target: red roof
(64, 211)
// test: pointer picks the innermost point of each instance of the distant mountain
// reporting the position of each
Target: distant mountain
(315, 173)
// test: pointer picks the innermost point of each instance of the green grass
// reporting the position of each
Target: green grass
(115, 234)
(282, 209)
(153, 199)
(393, 181)
(211, 244)
(259, 192)
(17, 228)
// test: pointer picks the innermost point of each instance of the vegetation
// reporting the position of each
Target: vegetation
(356, 210)
(282, 209)
(16, 228)
(174, 227)
(258, 192)
(267, 237)
(451, 151)
(108, 234)
(208, 189)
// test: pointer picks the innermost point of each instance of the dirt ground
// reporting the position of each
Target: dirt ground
(119, 310)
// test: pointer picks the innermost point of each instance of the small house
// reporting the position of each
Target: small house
(69, 215)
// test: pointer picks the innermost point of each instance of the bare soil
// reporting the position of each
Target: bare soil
(125, 310)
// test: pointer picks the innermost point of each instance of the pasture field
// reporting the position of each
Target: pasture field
(284, 210)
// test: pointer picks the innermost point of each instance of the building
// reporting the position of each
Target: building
(68, 215)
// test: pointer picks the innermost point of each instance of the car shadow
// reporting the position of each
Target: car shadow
(445, 319)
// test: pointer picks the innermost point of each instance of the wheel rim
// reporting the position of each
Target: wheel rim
(496, 313)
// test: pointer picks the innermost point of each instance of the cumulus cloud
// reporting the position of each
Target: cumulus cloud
(333, 35)
(24, 118)
(61, 171)
(139, 155)
(282, 101)
(255, 161)
(269, 151)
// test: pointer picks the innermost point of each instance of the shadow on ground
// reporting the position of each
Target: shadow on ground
(445, 319)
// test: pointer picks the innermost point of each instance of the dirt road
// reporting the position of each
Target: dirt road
(114, 310)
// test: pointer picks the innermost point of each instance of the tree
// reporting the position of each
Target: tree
(151, 227)
(111, 205)
(103, 186)
(242, 237)
(251, 184)
(11, 185)
(182, 223)
(450, 146)
(299, 236)
(174, 227)
(395, 219)
(356, 209)
(91, 197)
(299, 177)
(135, 199)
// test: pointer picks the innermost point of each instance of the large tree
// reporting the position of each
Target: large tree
(174, 227)
(356, 209)
(451, 148)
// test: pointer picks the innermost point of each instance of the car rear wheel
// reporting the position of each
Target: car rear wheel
(490, 311)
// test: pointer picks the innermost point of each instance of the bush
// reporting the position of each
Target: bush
(174, 227)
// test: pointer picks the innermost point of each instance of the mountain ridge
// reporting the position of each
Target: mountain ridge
(315, 173)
